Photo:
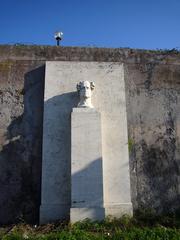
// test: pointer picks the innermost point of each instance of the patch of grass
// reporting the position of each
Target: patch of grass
(157, 233)
(130, 144)
(125, 228)
(6, 65)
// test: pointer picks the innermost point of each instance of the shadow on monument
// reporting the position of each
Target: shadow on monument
(89, 185)
(87, 190)
(20, 157)
(57, 155)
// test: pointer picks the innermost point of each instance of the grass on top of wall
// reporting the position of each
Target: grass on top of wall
(125, 228)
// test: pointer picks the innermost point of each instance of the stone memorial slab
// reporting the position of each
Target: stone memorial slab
(109, 100)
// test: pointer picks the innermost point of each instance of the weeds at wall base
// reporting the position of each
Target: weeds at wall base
(125, 228)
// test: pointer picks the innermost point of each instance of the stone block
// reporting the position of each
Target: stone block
(86, 165)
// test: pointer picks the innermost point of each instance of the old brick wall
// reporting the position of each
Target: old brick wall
(152, 81)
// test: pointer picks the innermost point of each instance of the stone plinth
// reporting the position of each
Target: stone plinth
(86, 165)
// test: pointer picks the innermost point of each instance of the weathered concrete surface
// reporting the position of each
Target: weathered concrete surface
(21, 104)
(152, 95)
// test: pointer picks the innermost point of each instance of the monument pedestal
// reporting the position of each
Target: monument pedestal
(119, 210)
(86, 165)
(53, 212)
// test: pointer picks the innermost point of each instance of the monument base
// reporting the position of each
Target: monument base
(80, 214)
(117, 211)
(86, 165)
(53, 212)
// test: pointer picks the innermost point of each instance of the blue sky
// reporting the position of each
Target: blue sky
(149, 24)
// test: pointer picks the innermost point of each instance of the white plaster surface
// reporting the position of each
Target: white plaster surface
(86, 165)
(109, 99)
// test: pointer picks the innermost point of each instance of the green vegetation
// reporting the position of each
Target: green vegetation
(130, 144)
(6, 65)
(125, 228)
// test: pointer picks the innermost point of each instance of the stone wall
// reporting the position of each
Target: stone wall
(152, 80)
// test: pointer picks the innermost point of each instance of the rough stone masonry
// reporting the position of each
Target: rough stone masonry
(152, 87)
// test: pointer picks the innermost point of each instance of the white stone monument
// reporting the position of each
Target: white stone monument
(105, 141)
(86, 158)
(85, 92)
